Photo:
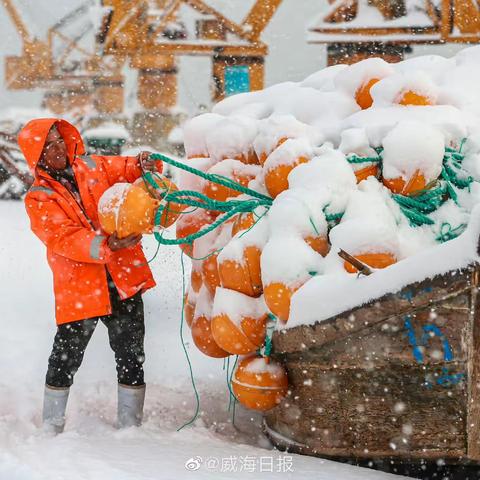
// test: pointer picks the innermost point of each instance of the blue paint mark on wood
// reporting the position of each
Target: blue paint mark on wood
(430, 331)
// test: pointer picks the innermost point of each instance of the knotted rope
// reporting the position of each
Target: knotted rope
(192, 198)
(418, 207)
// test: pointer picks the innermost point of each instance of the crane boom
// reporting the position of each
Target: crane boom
(17, 20)
(259, 17)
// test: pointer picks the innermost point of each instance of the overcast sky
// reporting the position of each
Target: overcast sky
(291, 58)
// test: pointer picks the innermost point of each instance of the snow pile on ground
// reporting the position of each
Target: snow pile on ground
(377, 162)
(91, 448)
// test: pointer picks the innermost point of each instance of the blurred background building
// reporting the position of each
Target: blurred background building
(129, 73)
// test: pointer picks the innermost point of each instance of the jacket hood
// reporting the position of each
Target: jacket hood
(33, 135)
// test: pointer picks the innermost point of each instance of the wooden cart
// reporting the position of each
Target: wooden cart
(398, 377)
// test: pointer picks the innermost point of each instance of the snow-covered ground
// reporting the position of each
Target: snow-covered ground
(91, 448)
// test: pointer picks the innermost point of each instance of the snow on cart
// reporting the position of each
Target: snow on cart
(332, 226)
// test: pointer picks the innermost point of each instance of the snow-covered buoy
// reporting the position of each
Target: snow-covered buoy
(238, 322)
(172, 210)
(259, 384)
(127, 209)
(282, 161)
(233, 169)
(201, 327)
(191, 223)
(412, 157)
(241, 272)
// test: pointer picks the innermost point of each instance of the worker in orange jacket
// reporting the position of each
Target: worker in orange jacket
(95, 276)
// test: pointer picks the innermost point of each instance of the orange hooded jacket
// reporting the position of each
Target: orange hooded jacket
(77, 250)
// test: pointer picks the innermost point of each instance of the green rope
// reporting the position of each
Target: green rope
(312, 223)
(357, 159)
(453, 173)
(189, 239)
(220, 180)
(418, 207)
(447, 232)
(332, 218)
(196, 199)
(197, 398)
(232, 399)
(266, 349)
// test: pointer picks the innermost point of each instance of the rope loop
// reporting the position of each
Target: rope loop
(192, 198)
(218, 179)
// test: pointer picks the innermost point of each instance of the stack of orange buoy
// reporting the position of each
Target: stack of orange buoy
(224, 304)
(332, 167)
(227, 313)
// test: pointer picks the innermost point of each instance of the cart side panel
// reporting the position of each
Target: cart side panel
(392, 386)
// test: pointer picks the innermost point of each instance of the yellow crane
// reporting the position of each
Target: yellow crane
(352, 30)
(67, 87)
(34, 64)
(150, 36)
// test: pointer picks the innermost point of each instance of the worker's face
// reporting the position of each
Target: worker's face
(54, 154)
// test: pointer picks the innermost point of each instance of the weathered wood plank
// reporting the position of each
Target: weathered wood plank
(415, 296)
(473, 424)
(372, 411)
(388, 341)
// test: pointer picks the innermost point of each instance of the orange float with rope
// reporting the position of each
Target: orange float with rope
(127, 209)
(259, 384)
(172, 210)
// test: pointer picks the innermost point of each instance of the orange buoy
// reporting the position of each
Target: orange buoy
(203, 339)
(409, 97)
(196, 278)
(362, 95)
(127, 209)
(365, 172)
(210, 274)
(188, 310)
(238, 322)
(276, 179)
(191, 223)
(264, 155)
(171, 210)
(201, 327)
(233, 169)
(277, 297)
(319, 243)
(414, 184)
(243, 221)
(374, 260)
(249, 158)
(242, 275)
(282, 161)
(259, 384)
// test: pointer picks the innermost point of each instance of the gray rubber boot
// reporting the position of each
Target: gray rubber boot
(54, 406)
(130, 405)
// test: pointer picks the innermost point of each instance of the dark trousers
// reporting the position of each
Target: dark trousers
(126, 332)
